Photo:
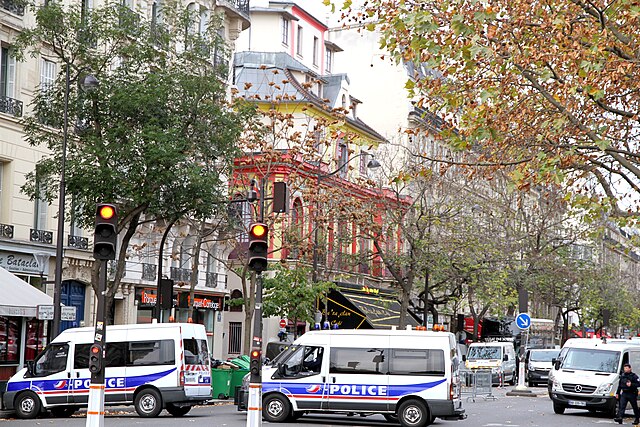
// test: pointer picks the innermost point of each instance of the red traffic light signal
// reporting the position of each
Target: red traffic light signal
(105, 236)
(95, 358)
(258, 246)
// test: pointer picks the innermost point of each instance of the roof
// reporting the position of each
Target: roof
(282, 12)
(18, 298)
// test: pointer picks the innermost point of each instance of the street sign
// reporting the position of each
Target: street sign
(523, 321)
(68, 313)
(283, 323)
(45, 312)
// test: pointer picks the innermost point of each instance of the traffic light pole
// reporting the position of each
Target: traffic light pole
(254, 406)
(95, 410)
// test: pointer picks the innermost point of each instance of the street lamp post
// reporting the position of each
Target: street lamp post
(372, 164)
(88, 84)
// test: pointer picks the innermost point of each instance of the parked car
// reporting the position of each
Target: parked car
(538, 363)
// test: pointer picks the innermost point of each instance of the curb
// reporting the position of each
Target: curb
(525, 393)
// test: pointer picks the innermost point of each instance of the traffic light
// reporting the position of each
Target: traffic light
(166, 294)
(254, 364)
(95, 358)
(258, 246)
(105, 236)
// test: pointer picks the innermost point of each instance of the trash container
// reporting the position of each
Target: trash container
(220, 383)
(236, 378)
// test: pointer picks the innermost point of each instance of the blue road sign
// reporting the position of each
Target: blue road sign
(523, 321)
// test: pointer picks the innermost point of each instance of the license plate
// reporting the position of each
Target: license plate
(577, 403)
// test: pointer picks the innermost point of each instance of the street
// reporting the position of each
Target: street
(504, 411)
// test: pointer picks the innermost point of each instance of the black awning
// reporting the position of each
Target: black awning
(351, 307)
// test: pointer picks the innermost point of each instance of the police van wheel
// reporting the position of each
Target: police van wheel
(276, 408)
(148, 403)
(413, 413)
(558, 409)
(63, 411)
(177, 411)
(27, 405)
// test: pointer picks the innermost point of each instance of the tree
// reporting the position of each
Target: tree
(157, 137)
(548, 89)
(291, 293)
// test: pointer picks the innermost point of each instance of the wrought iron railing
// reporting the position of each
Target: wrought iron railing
(241, 6)
(41, 236)
(181, 274)
(78, 242)
(15, 7)
(149, 271)
(6, 231)
(10, 106)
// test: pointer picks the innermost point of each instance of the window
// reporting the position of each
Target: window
(316, 49)
(146, 353)
(9, 339)
(303, 361)
(7, 73)
(236, 295)
(416, 362)
(115, 355)
(343, 158)
(357, 361)
(235, 337)
(52, 360)
(299, 41)
(364, 160)
(40, 206)
(328, 60)
(284, 28)
(195, 352)
(47, 74)
(2, 202)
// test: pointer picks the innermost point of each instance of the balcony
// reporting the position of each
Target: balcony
(149, 271)
(241, 6)
(41, 236)
(10, 106)
(6, 231)
(15, 7)
(78, 242)
(181, 274)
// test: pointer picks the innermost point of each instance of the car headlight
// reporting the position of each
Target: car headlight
(605, 388)
(557, 386)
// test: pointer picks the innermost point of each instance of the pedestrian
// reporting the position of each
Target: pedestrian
(628, 392)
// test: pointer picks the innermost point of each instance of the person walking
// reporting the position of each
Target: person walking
(628, 392)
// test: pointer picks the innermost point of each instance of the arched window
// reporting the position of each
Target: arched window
(236, 294)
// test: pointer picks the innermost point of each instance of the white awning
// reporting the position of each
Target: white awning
(18, 298)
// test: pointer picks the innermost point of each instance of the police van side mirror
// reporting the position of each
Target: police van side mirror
(505, 357)
(281, 369)
(464, 357)
(30, 368)
(556, 363)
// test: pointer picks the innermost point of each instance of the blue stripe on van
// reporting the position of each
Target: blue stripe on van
(42, 385)
(360, 390)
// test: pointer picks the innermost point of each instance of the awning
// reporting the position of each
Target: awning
(18, 298)
(353, 307)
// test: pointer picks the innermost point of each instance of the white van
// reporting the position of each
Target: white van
(499, 356)
(586, 374)
(408, 376)
(152, 366)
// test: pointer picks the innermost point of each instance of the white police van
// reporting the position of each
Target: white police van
(586, 374)
(152, 366)
(408, 376)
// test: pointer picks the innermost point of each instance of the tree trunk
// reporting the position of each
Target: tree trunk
(195, 264)
(404, 305)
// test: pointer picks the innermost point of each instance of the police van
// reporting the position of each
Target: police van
(586, 373)
(152, 366)
(408, 376)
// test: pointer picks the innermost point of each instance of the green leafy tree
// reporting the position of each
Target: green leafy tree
(156, 138)
(290, 293)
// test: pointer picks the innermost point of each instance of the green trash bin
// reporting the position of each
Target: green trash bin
(236, 378)
(220, 383)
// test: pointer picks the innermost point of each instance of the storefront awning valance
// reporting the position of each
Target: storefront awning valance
(18, 298)
(352, 307)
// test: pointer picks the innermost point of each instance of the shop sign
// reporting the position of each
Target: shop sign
(45, 312)
(19, 263)
(201, 301)
(147, 297)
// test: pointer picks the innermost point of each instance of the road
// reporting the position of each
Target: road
(502, 412)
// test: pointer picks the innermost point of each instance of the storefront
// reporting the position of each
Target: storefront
(364, 307)
(22, 335)
(206, 308)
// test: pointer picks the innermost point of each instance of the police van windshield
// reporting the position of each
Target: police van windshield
(586, 359)
(484, 352)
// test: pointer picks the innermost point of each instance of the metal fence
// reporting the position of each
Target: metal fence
(476, 383)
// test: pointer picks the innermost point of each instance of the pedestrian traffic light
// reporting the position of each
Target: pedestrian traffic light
(258, 247)
(106, 232)
(95, 358)
(254, 363)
